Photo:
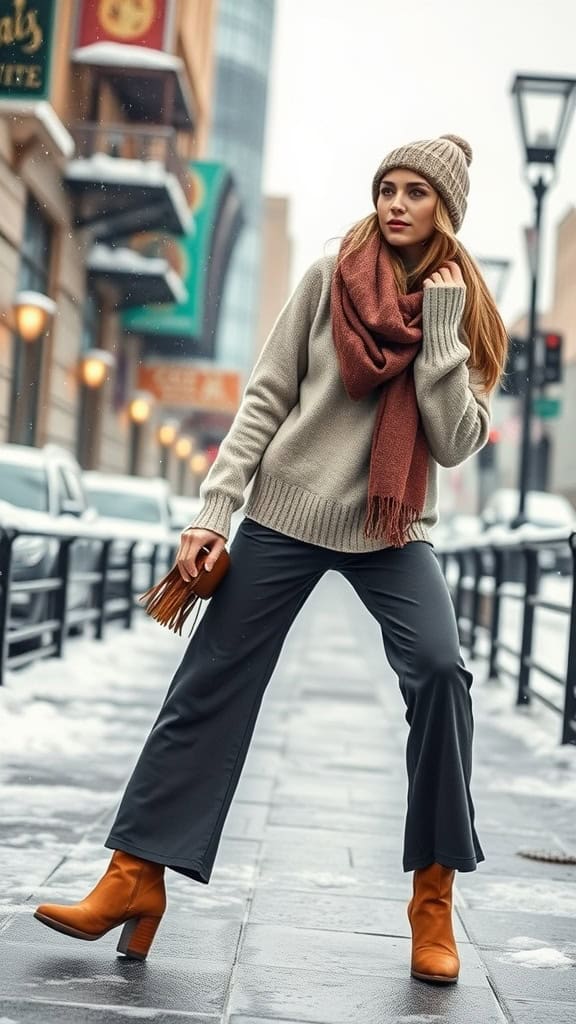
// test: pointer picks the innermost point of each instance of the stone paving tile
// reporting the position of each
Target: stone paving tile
(523, 1011)
(347, 950)
(257, 789)
(523, 867)
(319, 997)
(532, 980)
(20, 1011)
(498, 929)
(182, 934)
(335, 880)
(508, 892)
(235, 1019)
(245, 820)
(337, 820)
(384, 848)
(337, 912)
(91, 976)
(308, 873)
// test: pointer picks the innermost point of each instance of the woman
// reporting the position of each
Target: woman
(378, 369)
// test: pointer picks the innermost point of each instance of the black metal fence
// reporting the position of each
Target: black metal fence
(482, 576)
(37, 612)
(519, 568)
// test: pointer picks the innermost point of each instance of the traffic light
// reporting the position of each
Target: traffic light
(516, 369)
(547, 363)
(487, 454)
(552, 358)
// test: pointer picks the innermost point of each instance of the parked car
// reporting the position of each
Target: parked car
(183, 509)
(41, 488)
(134, 507)
(544, 511)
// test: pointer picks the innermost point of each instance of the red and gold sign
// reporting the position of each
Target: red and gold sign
(137, 22)
(191, 387)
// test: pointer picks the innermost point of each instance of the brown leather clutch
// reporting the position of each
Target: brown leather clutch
(171, 600)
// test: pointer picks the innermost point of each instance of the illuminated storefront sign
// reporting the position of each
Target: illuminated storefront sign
(183, 385)
(133, 22)
(26, 40)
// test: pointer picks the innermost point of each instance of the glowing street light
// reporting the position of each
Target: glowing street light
(32, 313)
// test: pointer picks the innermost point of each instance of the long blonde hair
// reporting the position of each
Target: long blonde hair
(482, 324)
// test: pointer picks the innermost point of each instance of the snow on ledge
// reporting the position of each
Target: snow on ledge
(104, 257)
(127, 56)
(45, 114)
(114, 169)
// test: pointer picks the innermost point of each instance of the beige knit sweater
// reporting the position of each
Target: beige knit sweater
(308, 443)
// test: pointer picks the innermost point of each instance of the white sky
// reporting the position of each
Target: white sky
(351, 81)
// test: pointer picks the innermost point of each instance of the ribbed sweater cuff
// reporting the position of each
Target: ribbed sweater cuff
(215, 514)
(442, 310)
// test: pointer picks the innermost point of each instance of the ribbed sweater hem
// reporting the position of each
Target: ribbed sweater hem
(306, 516)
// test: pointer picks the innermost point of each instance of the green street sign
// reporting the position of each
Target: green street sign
(547, 408)
(26, 39)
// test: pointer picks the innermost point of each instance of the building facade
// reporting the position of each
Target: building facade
(104, 110)
(243, 51)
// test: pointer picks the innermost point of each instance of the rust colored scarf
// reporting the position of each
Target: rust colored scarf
(377, 335)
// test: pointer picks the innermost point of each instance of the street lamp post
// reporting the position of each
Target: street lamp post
(167, 434)
(139, 411)
(543, 106)
(198, 465)
(183, 449)
(31, 312)
(94, 369)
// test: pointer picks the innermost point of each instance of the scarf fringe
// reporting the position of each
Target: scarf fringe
(388, 519)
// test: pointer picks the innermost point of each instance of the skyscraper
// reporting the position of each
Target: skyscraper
(243, 46)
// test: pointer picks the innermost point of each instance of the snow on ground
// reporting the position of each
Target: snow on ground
(541, 957)
(32, 698)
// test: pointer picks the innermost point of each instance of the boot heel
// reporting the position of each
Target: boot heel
(137, 937)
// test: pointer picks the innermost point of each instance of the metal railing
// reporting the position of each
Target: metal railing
(481, 575)
(514, 566)
(111, 585)
(129, 142)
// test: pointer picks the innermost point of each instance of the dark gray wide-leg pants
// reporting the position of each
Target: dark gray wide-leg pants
(175, 804)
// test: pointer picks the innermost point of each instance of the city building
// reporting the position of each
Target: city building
(243, 50)
(105, 113)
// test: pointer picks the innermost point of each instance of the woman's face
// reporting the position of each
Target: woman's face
(407, 198)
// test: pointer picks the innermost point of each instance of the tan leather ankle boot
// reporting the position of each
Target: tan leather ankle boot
(434, 952)
(131, 892)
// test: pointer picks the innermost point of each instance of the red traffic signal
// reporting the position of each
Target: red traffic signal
(552, 358)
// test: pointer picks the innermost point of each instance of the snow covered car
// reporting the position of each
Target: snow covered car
(135, 508)
(42, 489)
(182, 510)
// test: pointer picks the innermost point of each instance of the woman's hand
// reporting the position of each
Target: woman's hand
(448, 276)
(191, 540)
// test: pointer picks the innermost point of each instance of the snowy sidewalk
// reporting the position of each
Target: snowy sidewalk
(305, 917)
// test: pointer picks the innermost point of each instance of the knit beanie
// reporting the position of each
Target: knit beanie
(444, 162)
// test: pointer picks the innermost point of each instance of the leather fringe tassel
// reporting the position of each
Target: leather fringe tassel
(170, 601)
